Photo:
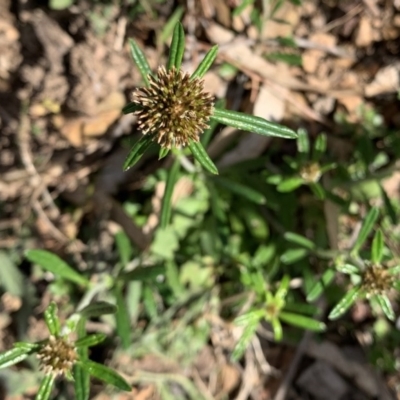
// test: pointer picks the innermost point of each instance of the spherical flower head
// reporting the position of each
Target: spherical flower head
(57, 356)
(377, 280)
(174, 108)
(311, 172)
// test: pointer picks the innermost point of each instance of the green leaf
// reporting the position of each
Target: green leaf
(319, 147)
(167, 198)
(124, 247)
(302, 321)
(242, 190)
(390, 211)
(97, 309)
(206, 135)
(252, 123)
(163, 153)
(293, 255)
(377, 247)
(168, 28)
(200, 154)
(177, 48)
(131, 108)
(283, 288)
(366, 229)
(319, 286)
(122, 318)
(386, 306)
(105, 374)
(143, 273)
(137, 151)
(245, 339)
(318, 190)
(51, 319)
(91, 340)
(300, 240)
(303, 142)
(206, 63)
(249, 318)
(81, 377)
(277, 329)
(345, 303)
(55, 265)
(141, 62)
(290, 184)
(60, 4)
(348, 269)
(81, 382)
(45, 388)
(14, 356)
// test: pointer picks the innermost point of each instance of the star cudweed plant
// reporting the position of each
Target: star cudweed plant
(173, 109)
(59, 356)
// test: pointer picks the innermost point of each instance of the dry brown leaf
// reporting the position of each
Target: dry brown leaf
(387, 80)
(217, 34)
(364, 32)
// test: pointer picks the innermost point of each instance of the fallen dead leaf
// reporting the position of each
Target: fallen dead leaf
(364, 32)
(387, 80)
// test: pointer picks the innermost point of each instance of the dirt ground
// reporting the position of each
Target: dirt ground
(66, 74)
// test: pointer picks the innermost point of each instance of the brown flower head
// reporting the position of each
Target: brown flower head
(57, 356)
(376, 280)
(311, 172)
(175, 108)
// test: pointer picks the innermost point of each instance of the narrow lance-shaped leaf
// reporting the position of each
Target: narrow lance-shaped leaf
(51, 319)
(105, 374)
(252, 123)
(242, 190)
(302, 321)
(303, 142)
(163, 152)
(318, 288)
(319, 147)
(345, 303)
(290, 184)
(277, 329)
(348, 269)
(318, 190)
(366, 228)
(167, 198)
(14, 356)
(81, 382)
(283, 288)
(390, 211)
(81, 376)
(97, 309)
(137, 151)
(200, 154)
(140, 60)
(377, 247)
(45, 388)
(177, 48)
(122, 318)
(244, 340)
(91, 340)
(169, 26)
(386, 306)
(206, 63)
(293, 255)
(54, 264)
(300, 240)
